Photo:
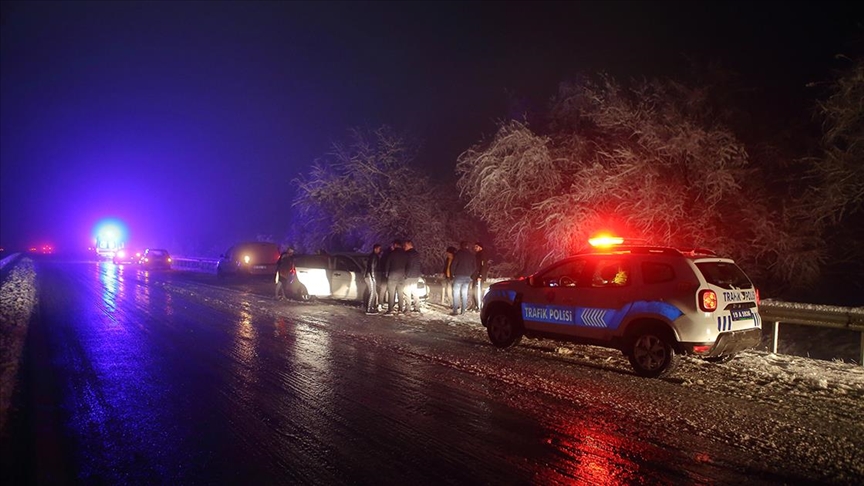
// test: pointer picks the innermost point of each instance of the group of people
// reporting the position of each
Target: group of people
(393, 273)
(464, 275)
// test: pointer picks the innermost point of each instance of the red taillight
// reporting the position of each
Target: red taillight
(758, 299)
(707, 300)
(701, 349)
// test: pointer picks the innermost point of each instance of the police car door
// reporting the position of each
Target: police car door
(548, 305)
(606, 297)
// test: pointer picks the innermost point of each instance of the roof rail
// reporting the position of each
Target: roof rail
(699, 251)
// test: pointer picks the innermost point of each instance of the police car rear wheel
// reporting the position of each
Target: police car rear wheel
(503, 330)
(652, 356)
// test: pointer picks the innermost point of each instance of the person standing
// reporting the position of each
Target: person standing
(413, 272)
(285, 272)
(478, 278)
(463, 266)
(381, 276)
(370, 276)
(447, 284)
(394, 272)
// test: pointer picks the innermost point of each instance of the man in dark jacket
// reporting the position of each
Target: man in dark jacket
(478, 278)
(371, 278)
(413, 272)
(464, 265)
(285, 273)
(394, 272)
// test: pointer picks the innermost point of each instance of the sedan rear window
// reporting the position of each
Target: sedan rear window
(724, 275)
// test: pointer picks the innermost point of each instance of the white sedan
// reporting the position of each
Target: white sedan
(336, 276)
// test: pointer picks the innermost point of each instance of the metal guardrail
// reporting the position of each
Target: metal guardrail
(207, 265)
(9, 259)
(833, 317)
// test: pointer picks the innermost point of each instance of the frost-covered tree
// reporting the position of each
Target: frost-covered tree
(650, 161)
(366, 191)
(835, 199)
(840, 171)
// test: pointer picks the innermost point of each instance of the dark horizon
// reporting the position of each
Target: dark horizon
(187, 121)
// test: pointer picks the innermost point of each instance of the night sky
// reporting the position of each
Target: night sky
(188, 121)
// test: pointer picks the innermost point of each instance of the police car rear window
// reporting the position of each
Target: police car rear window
(724, 275)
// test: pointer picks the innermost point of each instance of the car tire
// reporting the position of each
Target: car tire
(503, 328)
(303, 294)
(652, 354)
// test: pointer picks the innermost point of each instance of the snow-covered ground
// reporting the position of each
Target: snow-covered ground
(751, 369)
(17, 300)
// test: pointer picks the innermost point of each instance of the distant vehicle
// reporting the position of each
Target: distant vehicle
(126, 256)
(651, 303)
(108, 242)
(250, 258)
(155, 258)
(44, 249)
(336, 276)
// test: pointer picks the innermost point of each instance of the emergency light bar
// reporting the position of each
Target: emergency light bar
(605, 240)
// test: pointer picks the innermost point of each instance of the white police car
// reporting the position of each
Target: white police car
(652, 303)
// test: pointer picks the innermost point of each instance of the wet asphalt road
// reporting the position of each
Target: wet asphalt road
(134, 377)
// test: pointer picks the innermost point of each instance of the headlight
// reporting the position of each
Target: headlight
(246, 259)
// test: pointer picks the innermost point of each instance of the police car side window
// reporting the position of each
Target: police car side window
(611, 273)
(653, 273)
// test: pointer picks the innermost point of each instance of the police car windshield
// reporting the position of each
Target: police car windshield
(724, 275)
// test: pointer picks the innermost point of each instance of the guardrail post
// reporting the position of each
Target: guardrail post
(775, 337)
(861, 358)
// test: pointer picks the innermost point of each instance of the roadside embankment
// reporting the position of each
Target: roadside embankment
(17, 301)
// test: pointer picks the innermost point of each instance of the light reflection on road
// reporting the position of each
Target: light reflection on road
(108, 278)
(119, 379)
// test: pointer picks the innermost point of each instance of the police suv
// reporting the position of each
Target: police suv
(652, 303)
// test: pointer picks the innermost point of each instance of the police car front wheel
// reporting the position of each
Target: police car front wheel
(503, 329)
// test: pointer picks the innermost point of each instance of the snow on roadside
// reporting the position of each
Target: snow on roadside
(17, 300)
(750, 372)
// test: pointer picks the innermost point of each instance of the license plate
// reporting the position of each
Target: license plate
(741, 314)
(260, 267)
